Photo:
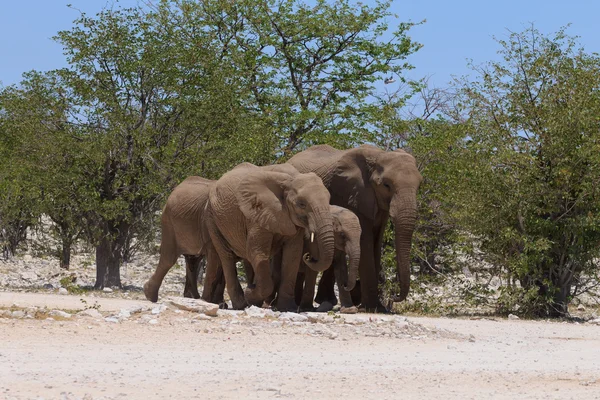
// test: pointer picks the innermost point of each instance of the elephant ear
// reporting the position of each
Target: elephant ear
(261, 197)
(354, 171)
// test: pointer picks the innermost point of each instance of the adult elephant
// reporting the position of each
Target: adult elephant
(375, 185)
(255, 212)
(183, 232)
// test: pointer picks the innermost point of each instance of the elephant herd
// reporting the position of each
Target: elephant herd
(325, 210)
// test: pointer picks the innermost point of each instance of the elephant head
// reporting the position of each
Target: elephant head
(381, 183)
(281, 202)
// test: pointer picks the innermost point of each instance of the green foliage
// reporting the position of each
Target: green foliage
(530, 187)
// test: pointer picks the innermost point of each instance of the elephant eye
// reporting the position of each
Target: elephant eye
(301, 204)
(387, 185)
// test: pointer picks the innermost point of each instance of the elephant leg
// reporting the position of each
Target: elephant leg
(366, 269)
(227, 259)
(218, 289)
(213, 274)
(192, 267)
(168, 257)
(340, 269)
(258, 250)
(291, 258)
(325, 291)
(276, 262)
(299, 286)
(308, 292)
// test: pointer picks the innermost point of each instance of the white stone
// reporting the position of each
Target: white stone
(595, 321)
(153, 322)
(158, 309)
(107, 290)
(62, 290)
(112, 319)
(27, 258)
(581, 307)
(18, 314)
(29, 276)
(255, 312)
(90, 312)
(288, 316)
(59, 313)
(195, 305)
(512, 316)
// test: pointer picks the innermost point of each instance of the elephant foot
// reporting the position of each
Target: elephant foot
(349, 310)
(306, 308)
(151, 291)
(223, 306)
(325, 306)
(191, 295)
(378, 309)
(239, 304)
(286, 305)
(253, 297)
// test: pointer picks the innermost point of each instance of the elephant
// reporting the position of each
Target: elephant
(376, 185)
(346, 231)
(183, 232)
(255, 212)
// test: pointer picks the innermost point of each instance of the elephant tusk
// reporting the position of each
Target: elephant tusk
(312, 237)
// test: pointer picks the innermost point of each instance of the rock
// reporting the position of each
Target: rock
(137, 309)
(288, 316)
(107, 290)
(200, 317)
(29, 276)
(158, 309)
(581, 307)
(594, 321)
(255, 312)
(512, 316)
(90, 312)
(123, 314)
(153, 322)
(18, 314)
(194, 305)
(27, 258)
(333, 335)
(62, 290)
(5, 313)
(48, 286)
(349, 310)
(112, 319)
(59, 313)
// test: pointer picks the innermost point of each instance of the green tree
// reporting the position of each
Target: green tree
(309, 70)
(531, 191)
(150, 103)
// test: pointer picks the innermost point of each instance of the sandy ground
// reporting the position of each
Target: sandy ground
(188, 355)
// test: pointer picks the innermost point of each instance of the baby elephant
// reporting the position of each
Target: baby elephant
(346, 230)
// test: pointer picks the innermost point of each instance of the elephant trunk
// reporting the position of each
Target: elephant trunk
(353, 255)
(321, 231)
(404, 216)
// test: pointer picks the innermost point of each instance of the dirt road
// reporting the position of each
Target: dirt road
(176, 354)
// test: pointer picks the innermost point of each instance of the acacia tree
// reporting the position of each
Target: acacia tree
(146, 105)
(309, 70)
(39, 173)
(532, 190)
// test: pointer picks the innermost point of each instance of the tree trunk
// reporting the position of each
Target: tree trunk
(109, 255)
(65, 254)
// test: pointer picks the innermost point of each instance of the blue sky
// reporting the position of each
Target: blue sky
(454, 32)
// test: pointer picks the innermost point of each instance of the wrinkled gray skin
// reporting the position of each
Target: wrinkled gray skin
(254, 212)
(183, 232)
(346, 230)
(375, 185)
